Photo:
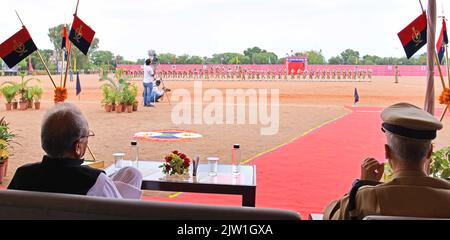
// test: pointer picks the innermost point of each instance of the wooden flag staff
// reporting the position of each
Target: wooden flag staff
(448, 68)
(69, 54)
(39, 54)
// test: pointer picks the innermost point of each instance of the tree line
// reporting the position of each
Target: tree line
(100, 58)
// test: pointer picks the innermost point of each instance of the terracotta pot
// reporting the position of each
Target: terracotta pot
(8, 106)
(2, 170)
(129, 108)
(108, 108)
(23, 106)
(135, 107)
(113, 107)
(37, 105)
(5, 162)
(15, 104)
(119, 108)
(30, 104)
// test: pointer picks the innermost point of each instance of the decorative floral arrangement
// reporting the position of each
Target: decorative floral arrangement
(176, 163)
(445, 97)
(6, 137)
(60, 94)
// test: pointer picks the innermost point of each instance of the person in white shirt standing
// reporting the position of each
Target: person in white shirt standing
(64, 138)
(148, 82)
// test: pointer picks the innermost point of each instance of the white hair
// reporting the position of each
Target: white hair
(408, 149)
(62, 126)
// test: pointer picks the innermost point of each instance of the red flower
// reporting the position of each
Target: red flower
(187, 162)
(175, 152)
(183, 156)
(167, 167)
(168, 159)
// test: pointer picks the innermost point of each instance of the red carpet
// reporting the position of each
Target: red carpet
(313, 170)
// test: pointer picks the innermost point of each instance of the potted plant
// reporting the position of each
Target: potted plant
(6, 137)
(9, 92)
(29, 96)
(128, 98)
(37, 95)
(135, 105)
(116, 86)
(134, 91)
(22, 88)
(107, 102)
(15, 104)
(118, 99)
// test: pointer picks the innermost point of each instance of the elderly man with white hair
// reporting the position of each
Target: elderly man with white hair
(64, 138)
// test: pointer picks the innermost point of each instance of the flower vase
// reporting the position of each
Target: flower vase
(177, 177)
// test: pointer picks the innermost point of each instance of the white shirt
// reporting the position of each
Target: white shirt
(148, 74)
(156, 90)
(106, 187)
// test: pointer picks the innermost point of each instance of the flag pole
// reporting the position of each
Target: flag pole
(439, 68)
(69, 54)
(62, 67)
(443, 113)
(76, 9)
(448, 67)
(92, 154)
(429, 104)
(39, 54)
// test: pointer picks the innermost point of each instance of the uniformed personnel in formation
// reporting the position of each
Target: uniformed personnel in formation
(411, 192)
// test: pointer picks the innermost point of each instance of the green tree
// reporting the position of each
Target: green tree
(183, 59)
(103, 58)
(166, 58)
(335, 60)
(195, 60)
(250, 51)
(314, 57)
(350, 56)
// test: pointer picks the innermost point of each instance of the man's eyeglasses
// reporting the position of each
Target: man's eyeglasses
(90, 134)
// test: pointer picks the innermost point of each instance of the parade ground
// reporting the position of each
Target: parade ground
(313, 158)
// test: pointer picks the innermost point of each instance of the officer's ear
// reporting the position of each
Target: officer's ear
(387, 151)
(430, 152)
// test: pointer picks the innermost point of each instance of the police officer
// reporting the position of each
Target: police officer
(411, 192)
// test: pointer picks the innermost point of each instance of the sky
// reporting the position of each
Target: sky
(204, 27)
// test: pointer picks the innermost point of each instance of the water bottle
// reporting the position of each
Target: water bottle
(236, 159)
(134, 154)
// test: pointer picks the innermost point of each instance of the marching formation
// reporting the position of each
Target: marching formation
(240, 74)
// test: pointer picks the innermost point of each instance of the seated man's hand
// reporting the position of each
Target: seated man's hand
(372, 170)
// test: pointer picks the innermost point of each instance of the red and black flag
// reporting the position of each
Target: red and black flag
(17, 47)
(442, 41)
(81, 35)
(414, 36)
(64, 38)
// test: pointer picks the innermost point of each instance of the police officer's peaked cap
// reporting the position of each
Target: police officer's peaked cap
(409, 121)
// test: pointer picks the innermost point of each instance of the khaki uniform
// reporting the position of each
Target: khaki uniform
(410, 194)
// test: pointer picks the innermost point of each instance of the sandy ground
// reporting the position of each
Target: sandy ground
(303, 106)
